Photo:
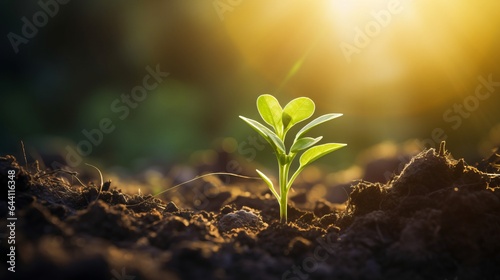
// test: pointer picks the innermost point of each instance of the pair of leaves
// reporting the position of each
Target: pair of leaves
(280, 119)
(275, 141)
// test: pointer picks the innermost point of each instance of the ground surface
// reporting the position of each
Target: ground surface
(439, 219)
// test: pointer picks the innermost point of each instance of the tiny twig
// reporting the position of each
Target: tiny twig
(206, 175)
(73, 174)
(442, 148)
(196, 178)
(24, 153)
(102, 181)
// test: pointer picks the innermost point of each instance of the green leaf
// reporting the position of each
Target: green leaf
(315, 122)
(315, 153)
(297, 110)
(269, 184)
(265, 132)
(304, 143)
(271, 112)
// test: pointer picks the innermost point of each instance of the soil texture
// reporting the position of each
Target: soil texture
(438, 219)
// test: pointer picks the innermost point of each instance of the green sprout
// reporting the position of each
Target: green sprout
(281, 120)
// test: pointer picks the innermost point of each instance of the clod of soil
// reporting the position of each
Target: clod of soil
(244, 219)
(438, 219)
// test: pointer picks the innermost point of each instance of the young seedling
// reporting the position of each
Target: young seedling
(281, 120)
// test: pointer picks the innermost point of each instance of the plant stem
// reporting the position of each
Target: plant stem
(283, 180)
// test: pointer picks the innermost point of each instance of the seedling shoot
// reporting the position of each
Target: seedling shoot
(281, 120)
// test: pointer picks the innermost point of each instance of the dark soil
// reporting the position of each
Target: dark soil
(438, 219)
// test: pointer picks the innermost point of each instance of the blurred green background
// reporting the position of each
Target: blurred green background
(411, 62)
